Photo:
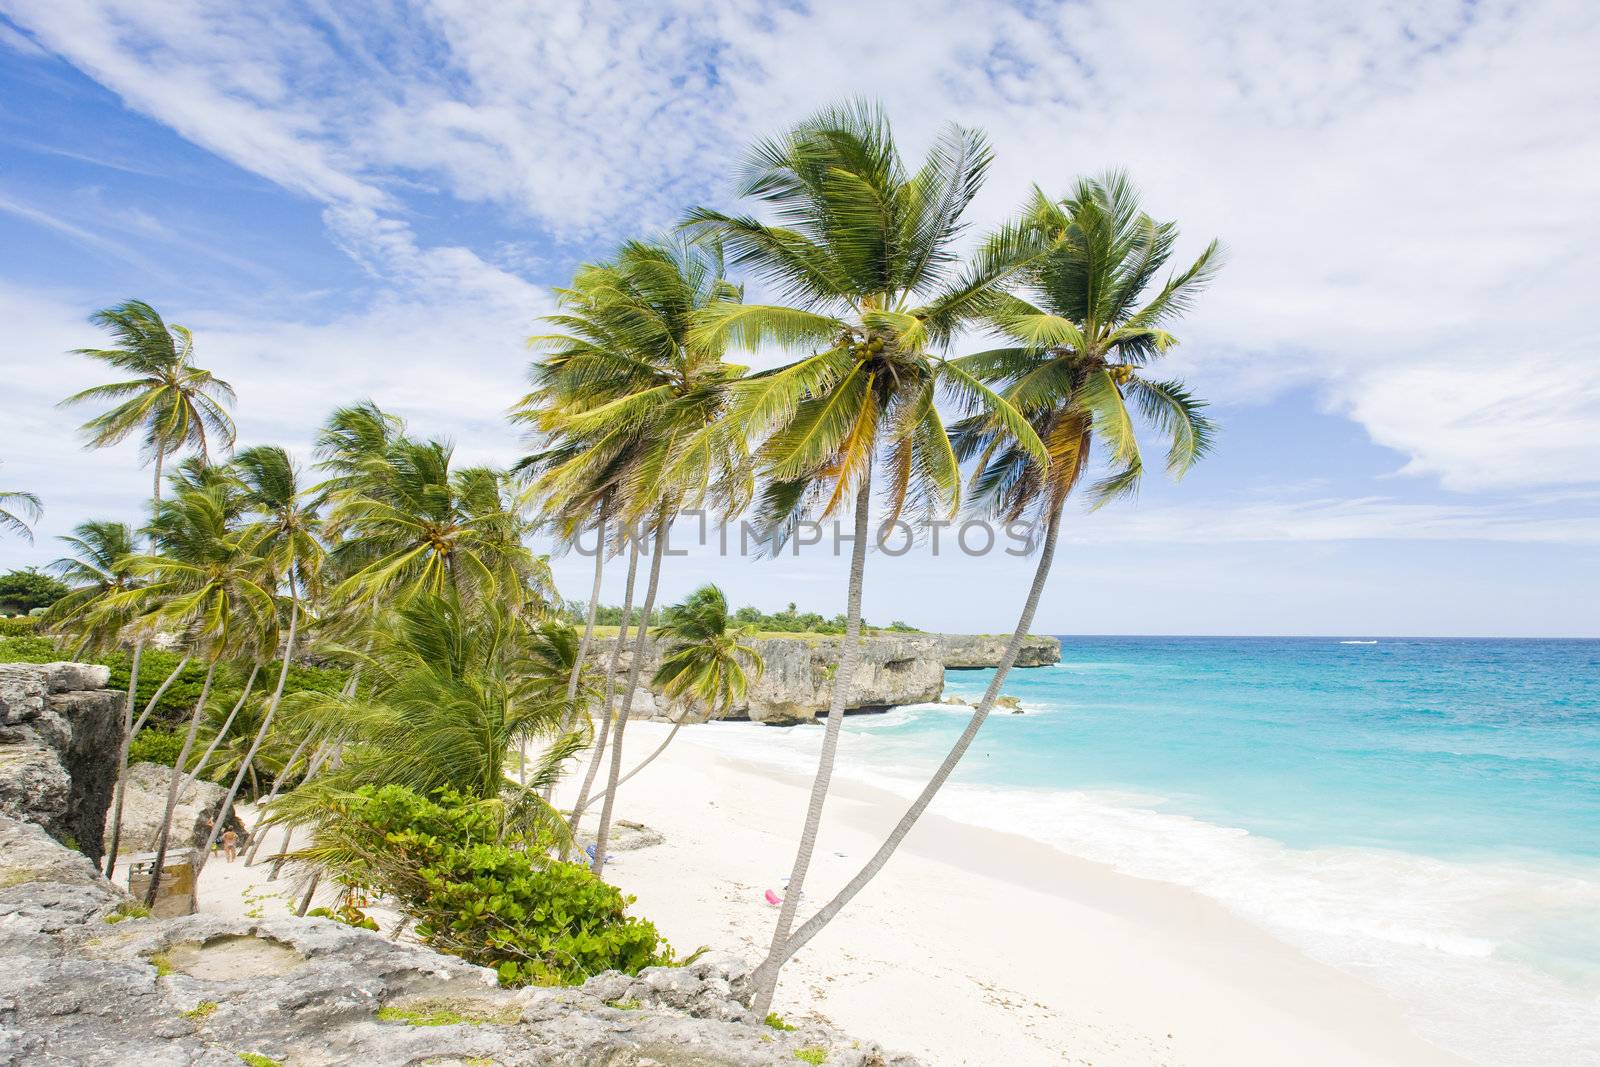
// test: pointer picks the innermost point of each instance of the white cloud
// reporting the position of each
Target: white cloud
(1407, 189)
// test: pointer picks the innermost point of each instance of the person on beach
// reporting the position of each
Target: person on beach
(230, 845)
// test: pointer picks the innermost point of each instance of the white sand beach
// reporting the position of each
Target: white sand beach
(974, 946)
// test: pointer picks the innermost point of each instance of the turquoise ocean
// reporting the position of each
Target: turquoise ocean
(1422, 813)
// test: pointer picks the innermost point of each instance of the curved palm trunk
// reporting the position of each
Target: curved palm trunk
(329, 755)
(172, 788)
(603, 832)
(248, 763)
(580, 805)
(122, 754)
(766, 975)
(227, 724)
(817, 922)
(642, 763)
(277, 784)
(127, 742)
(583, 643)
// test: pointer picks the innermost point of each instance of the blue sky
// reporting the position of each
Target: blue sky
(373, 200)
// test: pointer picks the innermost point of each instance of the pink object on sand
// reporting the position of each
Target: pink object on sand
(774, 899)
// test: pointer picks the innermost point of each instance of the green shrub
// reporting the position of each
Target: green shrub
(27, 648)
(156, 745)
(497, 903)
(19, 626)
(775, 1021)
(25, 591)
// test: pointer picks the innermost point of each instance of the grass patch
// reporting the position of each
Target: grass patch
(201, 1010)
(128, 909)
(162, 963)
(623, 1005)
(775, 1021)
(447, 1013)
(256, 1059)
(813, 1055)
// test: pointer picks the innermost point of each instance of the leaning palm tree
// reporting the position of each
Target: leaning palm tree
(410, 524)
(210, 585)
(96, 571)
(706, 661)
(659, 375)
(166, 400)
(285, 536)
(864, 250)
(18, 511)
(451, 689)
(1082, 347)
(161, 397)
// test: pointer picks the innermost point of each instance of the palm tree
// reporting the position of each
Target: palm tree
(705, 663)
(168, 401)
(656, 371)
(284, 536)
(97, 570)
(1078, 355)
(209, 583)
(864, 251)
(172, 405)
(451, 689)
(17, 511)
(408, 524)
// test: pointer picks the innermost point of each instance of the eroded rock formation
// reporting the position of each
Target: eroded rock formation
(60, 729)
(893, 668)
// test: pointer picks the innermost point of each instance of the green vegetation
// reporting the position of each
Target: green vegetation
(477, 891)
(623, 1005)
(775, 1021)
(447, 1013)
(201, 1011)
(128, 909)
(156, 745)
(812, 1055)
(255, 1059)
(162, 963)
(26, 590)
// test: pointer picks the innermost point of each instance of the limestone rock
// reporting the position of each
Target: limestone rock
(1009, 702)
(975, 651)
(78, 990)
(59, 733)
(146, 801)
(797, 685)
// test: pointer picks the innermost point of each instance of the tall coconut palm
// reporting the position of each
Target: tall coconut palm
(210, 585)
(18, 511)
(1082, 348)
(165, 400)
(706, 661)
(863, 248)
(284, 534)
(661, 375)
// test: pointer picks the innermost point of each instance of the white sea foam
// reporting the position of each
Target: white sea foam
(1448, 938)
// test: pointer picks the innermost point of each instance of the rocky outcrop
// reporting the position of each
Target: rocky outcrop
(145, 802)
(963, 652)
(83, 984)
(797, 685)
(60, 729)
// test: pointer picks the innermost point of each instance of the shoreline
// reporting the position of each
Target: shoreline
(978, 946)
(974, 946)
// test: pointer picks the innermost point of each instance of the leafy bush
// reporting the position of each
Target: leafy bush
(155, 745)
(27, 649)
(500, 903)
(26, 590)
